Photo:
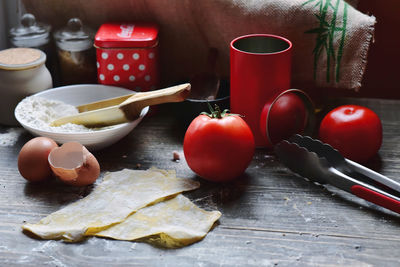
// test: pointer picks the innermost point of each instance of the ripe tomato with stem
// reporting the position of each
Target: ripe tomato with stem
(218, 146)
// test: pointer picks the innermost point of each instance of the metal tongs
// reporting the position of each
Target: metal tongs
(321, 163)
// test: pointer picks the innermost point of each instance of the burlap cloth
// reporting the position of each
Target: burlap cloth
(331, 38)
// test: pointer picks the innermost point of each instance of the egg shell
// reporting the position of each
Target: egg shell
(73, 164)
(32, 159)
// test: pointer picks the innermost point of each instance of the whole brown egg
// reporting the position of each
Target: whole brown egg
(33, 162)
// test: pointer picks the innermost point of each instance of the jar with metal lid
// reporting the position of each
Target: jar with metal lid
(127, 55)
(22, 73)
(75, 52)
(33, 34)
(30, 33)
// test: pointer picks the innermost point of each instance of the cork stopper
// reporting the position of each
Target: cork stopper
(21, 58)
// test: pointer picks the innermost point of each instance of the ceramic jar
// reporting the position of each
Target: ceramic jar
(22, 73)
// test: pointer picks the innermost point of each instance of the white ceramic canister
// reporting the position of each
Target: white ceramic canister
(22, 73)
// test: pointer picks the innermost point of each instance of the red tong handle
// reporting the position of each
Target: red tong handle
(375, 197)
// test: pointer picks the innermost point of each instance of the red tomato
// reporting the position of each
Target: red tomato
(218, 149)
(353, 130)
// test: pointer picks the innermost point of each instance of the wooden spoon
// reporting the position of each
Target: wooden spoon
(107, 112)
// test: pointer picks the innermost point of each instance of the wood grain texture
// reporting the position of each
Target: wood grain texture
(270, 216)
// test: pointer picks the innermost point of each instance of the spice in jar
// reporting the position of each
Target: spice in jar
(76, 54)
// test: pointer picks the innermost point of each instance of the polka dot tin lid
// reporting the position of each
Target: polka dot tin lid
(127, 35)
(127, 55)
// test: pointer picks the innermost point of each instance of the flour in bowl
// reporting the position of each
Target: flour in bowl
(38, 112)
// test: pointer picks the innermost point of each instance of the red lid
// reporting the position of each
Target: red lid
(291, 112)
(127, 35)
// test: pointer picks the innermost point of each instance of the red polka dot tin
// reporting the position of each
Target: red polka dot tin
(127, 55)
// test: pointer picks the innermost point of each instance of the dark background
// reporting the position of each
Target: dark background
(383, 72)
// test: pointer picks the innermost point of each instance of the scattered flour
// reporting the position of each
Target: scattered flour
(10, 137)
(39, 112)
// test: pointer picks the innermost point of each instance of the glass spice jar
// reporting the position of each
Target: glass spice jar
(76, 55)
(32, 34)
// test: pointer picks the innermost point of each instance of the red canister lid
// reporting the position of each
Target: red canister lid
(126, 35)
(291, 112)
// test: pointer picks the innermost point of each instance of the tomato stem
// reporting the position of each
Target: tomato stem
(216, 113)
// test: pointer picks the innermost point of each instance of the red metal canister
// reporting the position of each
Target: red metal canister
(127, 55)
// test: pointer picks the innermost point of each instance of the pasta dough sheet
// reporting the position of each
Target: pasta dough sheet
(172, 223)
(120, 194)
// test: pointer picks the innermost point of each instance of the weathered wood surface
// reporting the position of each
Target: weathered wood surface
(270, 216)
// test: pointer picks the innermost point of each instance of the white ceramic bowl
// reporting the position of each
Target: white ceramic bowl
(82, 94)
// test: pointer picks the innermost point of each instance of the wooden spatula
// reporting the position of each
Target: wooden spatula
(123, 109)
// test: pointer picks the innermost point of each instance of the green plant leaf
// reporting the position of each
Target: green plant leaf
(308, 1)
(317, 30)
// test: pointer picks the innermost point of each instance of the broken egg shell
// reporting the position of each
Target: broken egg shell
(32, 159)
(73, 164)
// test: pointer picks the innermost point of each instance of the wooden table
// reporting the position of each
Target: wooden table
(270, 216)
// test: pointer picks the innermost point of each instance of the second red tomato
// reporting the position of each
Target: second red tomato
(353, 130)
